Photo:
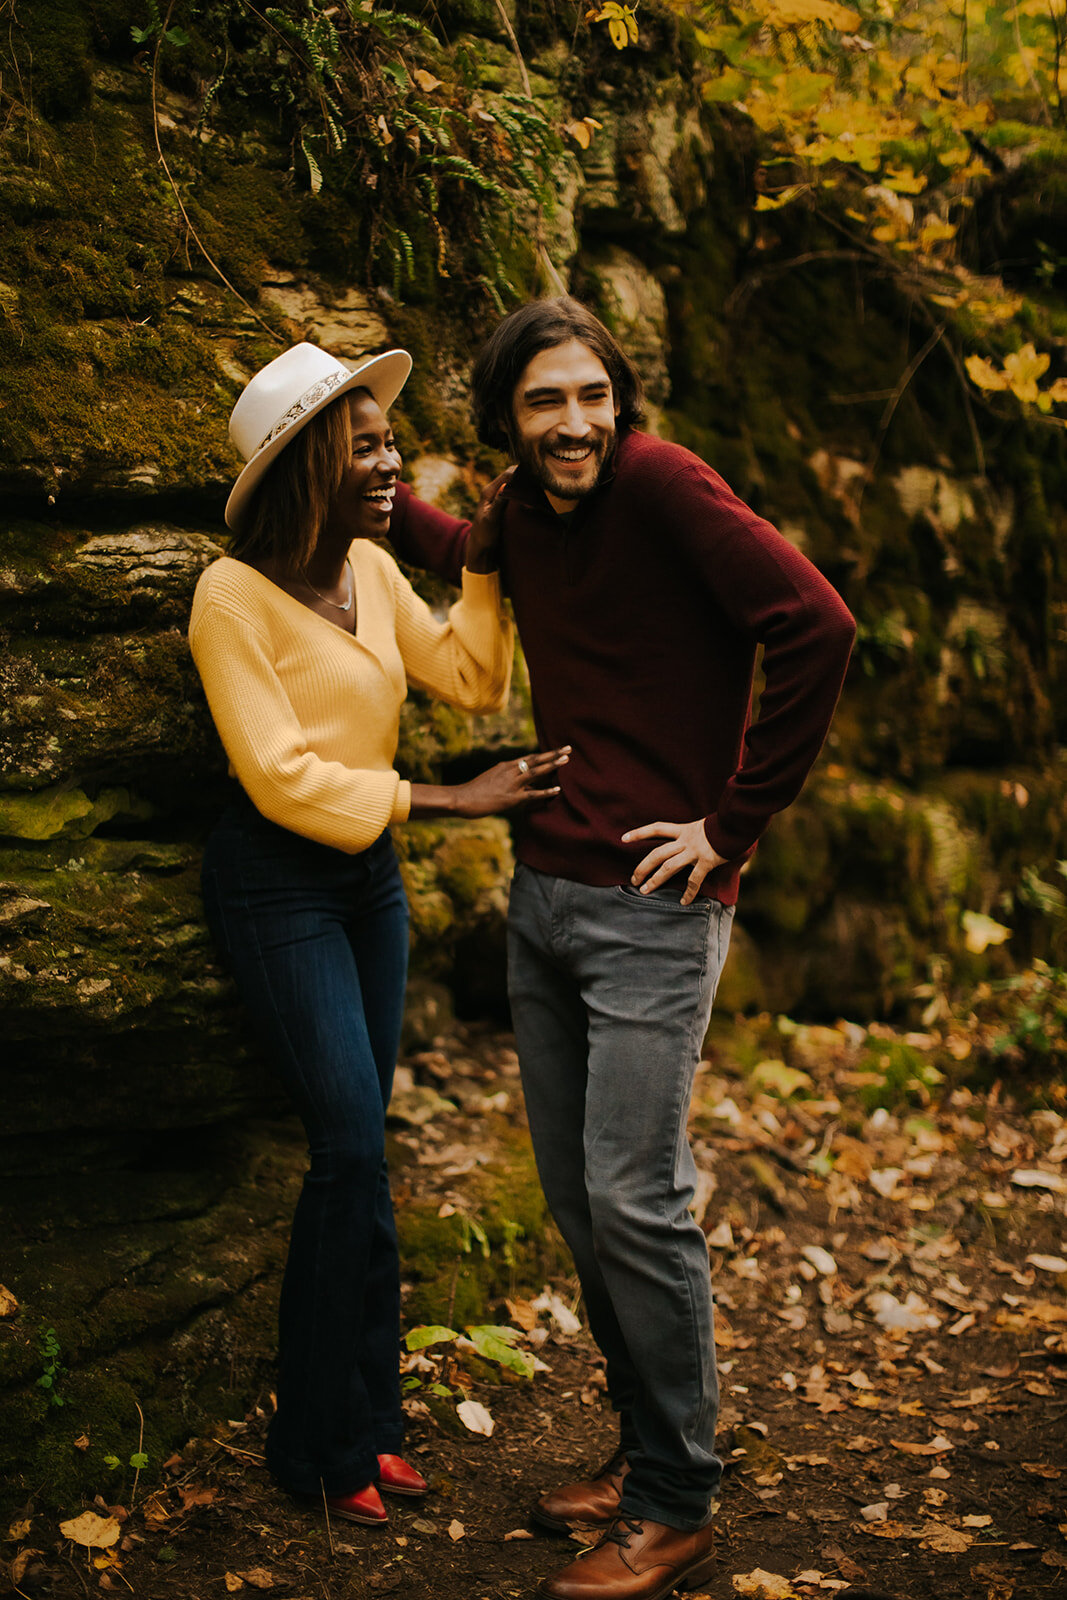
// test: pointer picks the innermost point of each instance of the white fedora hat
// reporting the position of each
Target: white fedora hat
(277, 402)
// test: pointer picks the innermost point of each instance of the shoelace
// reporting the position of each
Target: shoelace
(620, 1531)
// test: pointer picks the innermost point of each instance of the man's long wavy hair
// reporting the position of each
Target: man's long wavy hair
(541, 325)
(289, 506)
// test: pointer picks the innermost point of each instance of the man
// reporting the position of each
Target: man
(642, 588)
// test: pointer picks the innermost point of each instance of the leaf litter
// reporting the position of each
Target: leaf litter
(891, 1331)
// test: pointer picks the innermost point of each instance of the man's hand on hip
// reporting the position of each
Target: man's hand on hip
(687, 846)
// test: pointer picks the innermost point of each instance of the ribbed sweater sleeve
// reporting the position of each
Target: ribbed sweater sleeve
(309, 715)
(286, 781)
(774, 595)
(468, 661)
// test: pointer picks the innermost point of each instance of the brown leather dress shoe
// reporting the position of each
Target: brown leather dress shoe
(637, 1559)
(591, 1502)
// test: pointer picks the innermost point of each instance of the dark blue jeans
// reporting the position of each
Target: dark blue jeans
(317, 942)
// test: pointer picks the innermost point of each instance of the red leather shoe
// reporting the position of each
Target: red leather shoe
(396, 1477)
(364, 1506)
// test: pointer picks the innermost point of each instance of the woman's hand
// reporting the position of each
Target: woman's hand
(511, 784)
(505, 787)
(481, 553)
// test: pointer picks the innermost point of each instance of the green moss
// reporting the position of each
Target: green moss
(51, 41)
(63, 812)
(456, 1275)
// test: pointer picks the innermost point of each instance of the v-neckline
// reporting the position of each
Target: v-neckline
(276, 588)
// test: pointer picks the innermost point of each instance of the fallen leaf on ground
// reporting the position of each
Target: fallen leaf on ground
(518, 1533)
(977, 1521)
(876, 1513)
(897, 1316)
(1048, 1263)
(456, 1530)
(8, 1304)
(96, 1532)
(945, 1540)
(886, 1181)
(19, 1530)
(475, 1418)
(760, 1585)
(935, 1447)
(155, 1513)
(1032, 1178)
(17, 1568)
(192, 1497)
(258, 1577)
(232, 1582)
(559, 1311)
(524, 1312)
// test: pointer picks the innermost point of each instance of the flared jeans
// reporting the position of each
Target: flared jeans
(317, 943)
(611, 992)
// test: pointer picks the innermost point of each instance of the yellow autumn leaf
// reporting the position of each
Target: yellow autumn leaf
(426, 80)
(983, 374)
(981, 931)
(582, 130)
(1022, 369)
(798, 13)
(934, 231)
(622, 24)
(775, 202)
(1057, 392)
(97, 1533)
(904, 180)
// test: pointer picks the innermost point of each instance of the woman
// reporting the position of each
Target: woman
(305, 637)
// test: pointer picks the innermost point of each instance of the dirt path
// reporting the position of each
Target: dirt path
(892, 1336)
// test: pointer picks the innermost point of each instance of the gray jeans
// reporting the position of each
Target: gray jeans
(611, 992)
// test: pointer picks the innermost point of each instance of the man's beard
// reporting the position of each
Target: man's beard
(536, 459)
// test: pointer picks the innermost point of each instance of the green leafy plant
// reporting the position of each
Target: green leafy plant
(1027, 1016)
(494, 1342)
(138, 1461)
(155, 27)
(439, 172)
(901, 1076)
(53, 1368)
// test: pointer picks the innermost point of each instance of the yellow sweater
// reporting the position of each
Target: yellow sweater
(309, 714)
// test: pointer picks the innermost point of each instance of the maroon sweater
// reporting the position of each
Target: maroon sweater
(640, 617)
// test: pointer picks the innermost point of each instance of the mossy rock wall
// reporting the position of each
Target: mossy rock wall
(136, 297)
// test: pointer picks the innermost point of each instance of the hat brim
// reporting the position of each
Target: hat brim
(383, 375)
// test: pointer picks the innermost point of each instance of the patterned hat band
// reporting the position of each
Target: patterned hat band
(307, 402)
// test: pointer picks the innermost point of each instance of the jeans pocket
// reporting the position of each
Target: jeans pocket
(667, 898)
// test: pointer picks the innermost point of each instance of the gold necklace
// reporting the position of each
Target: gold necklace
(326, 599)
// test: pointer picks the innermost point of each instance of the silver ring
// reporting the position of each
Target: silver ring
(524, 765)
